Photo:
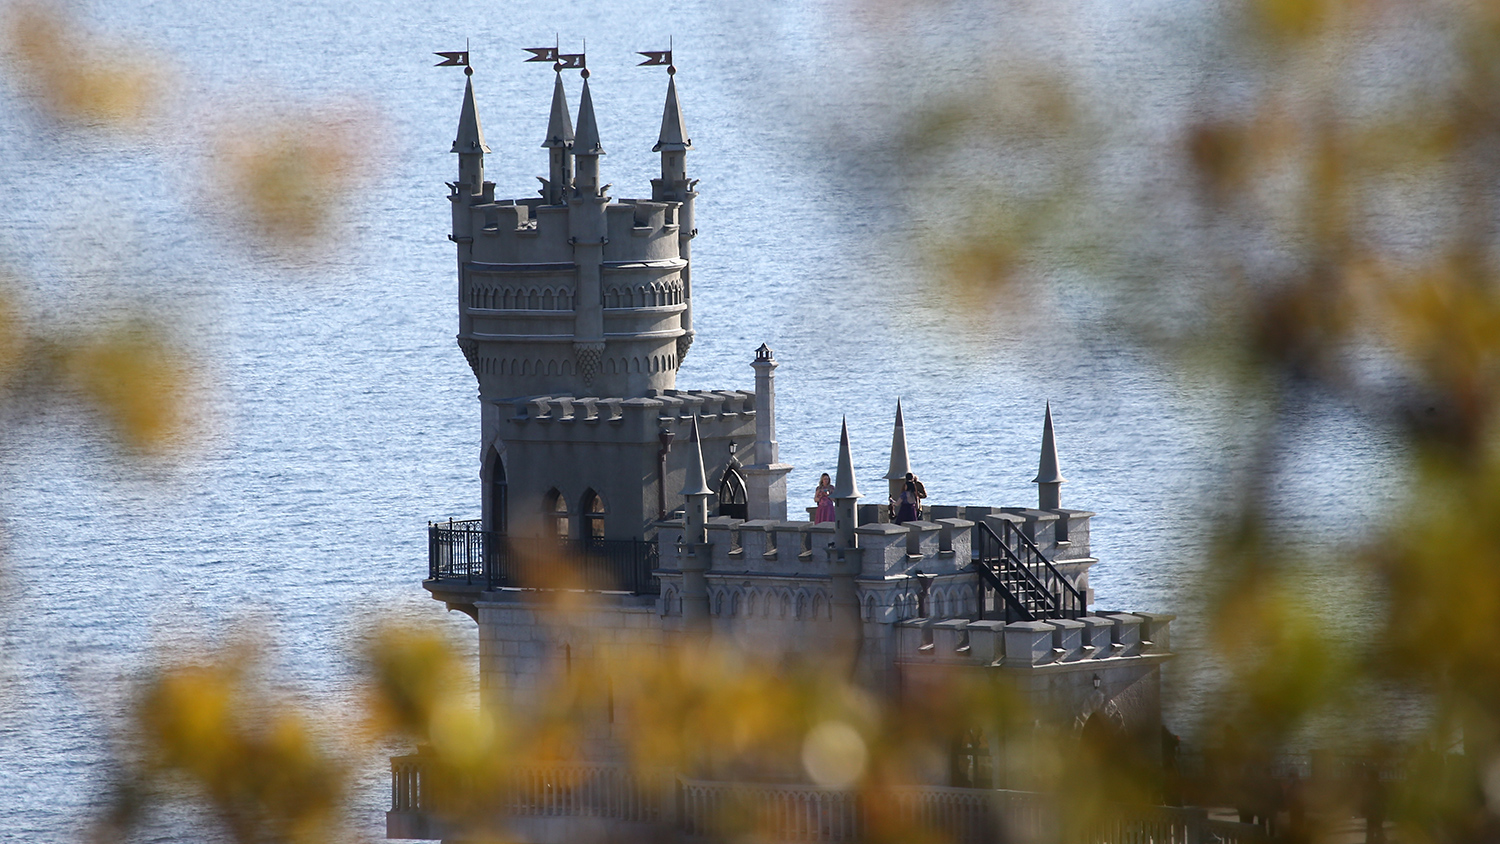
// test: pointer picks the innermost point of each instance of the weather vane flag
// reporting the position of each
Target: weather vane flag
(656, 57)
(560, 60)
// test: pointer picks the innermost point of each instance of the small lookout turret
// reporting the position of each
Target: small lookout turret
(675, 186)
(559, 145)
(845, 493)
(469, 142)
(586, 145)
(900, 459)
(1049, 479)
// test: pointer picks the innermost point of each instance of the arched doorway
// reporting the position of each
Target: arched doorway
(497, 495)
(592, 512)
(732, 501)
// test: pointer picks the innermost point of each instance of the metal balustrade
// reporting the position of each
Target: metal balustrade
(465, 552)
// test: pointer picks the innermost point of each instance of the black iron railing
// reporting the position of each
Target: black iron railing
(1031, 587)
(464, 551)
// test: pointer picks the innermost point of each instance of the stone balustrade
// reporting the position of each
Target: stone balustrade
(658, 804)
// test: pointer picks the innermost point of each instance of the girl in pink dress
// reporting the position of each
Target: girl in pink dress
(823, 497)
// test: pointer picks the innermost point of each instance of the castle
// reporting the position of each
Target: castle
(575, 312)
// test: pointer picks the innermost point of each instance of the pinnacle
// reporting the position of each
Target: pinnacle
(697, 479)
(1047, 471)
(900, 459)
(587, 140)
(470, 136)
(844, 485)
(673, 136)
(560, 125)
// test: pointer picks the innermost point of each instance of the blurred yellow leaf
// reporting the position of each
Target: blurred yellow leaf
(76, 76)
(140, 382)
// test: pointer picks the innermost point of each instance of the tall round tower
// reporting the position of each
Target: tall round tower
(571, 293)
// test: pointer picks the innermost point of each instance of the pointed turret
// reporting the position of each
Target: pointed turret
(844, 485)
(697, 478)
(1049, 479)
(675, 186)
(586, 142)
(560, 123)
(586, 146)
(469, 142)
(697, 493)
(559, 144)
(845, 493)
(470, 136)
(673, 137)
(900, 459)
(695, 559)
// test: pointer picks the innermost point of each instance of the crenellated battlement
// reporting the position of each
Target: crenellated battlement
(527, 230)
(1096, 638)
(667, 407)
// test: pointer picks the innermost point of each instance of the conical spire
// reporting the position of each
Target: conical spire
(1047, 471)
(844, 485)
(900, 460)
(587, 140)
(697, 479)
(560, 125)
(470, 137)
(673, 136)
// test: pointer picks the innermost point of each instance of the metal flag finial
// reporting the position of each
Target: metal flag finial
(659, 58)
(457, 58)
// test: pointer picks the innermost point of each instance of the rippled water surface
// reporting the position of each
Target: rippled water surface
(342, 416)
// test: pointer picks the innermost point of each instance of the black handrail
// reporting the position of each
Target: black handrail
(1035, 584)
(1019, 581)
(463, 551)
(987, 573)
(1071, 597)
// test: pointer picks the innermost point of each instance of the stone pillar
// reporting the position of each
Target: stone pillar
(765, 480)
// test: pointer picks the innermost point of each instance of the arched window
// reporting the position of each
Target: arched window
(555, 508)
(592, 509)
(732, 494)
(497, 511)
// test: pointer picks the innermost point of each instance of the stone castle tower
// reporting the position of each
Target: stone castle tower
(575, 312)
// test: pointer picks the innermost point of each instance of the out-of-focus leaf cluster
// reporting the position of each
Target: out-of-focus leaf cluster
(207, 730)
(76, 75)
(291, 177)
(135, 376)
